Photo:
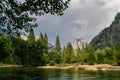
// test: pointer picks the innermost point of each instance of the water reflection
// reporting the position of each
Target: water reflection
(55, 74)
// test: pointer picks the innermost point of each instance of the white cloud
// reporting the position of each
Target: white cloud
(84, 19)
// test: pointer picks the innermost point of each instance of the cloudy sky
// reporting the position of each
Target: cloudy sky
(83, 19)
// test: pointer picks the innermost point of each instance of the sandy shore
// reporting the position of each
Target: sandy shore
(56, 67)
(102, 67)
(99, 67)
(10, 66)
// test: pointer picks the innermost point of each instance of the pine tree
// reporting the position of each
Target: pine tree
(79, 56)
(70, 56)
(45, 39)
(41, 37)
(64, 55)
(5, 48)
(57, 44)
(19, 46)
(91, 54)
(31, 37)
(43, 47)
(31, 51)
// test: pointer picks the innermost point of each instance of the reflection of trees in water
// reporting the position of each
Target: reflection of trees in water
(23, 74)
(30, 73)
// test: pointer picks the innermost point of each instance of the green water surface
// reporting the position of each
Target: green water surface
(31, 73)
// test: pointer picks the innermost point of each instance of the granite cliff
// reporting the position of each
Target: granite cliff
(78, 43)
(108, 36)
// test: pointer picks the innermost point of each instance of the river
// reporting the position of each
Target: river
(31, 73)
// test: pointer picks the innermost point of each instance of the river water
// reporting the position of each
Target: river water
(31, 73)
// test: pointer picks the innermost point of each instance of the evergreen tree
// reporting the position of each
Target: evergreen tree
(54, 56)
(45, 43)
(70, 56)
(31, 51)
(46, 38)
(63, 57)
(57, 44)
(101, 59)
(91, 54)
(19, 46)
(40, 57)
(57, 49)
(44, 49)
(79, 56)
(5, 48)
(108, 55)
(31, 37)
(41, 37)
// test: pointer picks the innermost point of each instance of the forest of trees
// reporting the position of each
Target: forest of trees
(15, 18)
(37, 52)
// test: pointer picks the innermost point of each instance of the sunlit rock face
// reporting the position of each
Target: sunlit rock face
(78, 43)
(24, 37)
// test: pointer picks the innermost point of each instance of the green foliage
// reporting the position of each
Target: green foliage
(63, 56)
(70, 57)
(31, 48)
(41, 37)
(45, 58)
(15, 16)
(100, 56)
(19, 50)
(31, 37)
(44, 42)
(116, 52)
(5, 47)
(35, 52)
(57, 44)
(91, 54)
(54, 56)
(79, 56)
(52, 63)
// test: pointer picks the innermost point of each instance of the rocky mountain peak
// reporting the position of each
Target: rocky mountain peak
(108, 36)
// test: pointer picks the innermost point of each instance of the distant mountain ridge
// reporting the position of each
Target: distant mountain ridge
(108, 36)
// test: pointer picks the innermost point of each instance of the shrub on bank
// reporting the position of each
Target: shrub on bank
(52, 63)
